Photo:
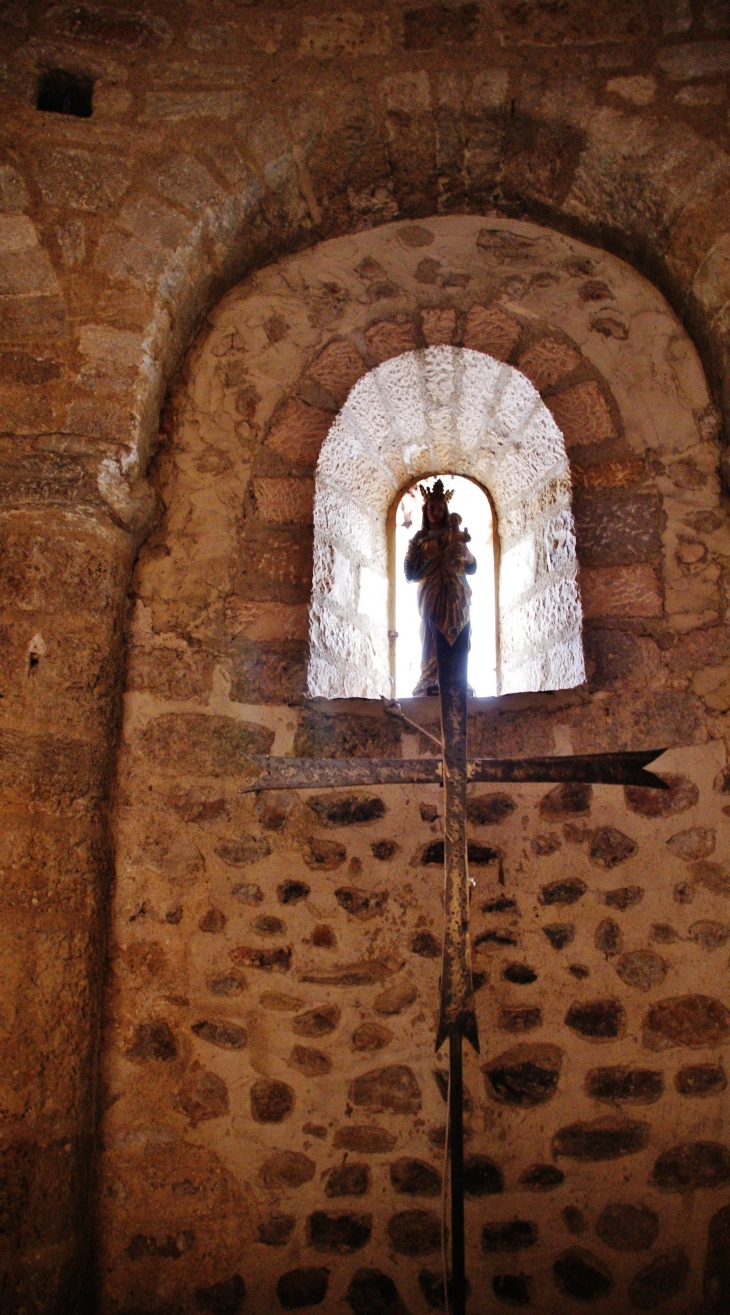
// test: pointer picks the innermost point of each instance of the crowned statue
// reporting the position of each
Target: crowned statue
(438, 560)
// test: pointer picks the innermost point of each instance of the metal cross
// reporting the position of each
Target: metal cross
(457, 1017)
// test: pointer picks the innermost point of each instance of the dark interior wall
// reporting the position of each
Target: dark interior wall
(215, 144)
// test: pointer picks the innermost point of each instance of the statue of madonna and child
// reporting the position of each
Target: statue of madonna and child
(438, 560)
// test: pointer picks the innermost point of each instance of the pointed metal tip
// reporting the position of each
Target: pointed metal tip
(469, 1029)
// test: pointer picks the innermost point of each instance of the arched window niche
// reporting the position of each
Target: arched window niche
(443, 409)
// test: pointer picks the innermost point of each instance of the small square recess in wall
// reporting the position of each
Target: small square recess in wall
(65, 93)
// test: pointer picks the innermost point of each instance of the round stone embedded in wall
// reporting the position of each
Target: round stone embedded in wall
(482, 1177)
(277, 959)
(415, 1232)
(520, 974)
(637, 1086)
(299, 1288)
(609, 847)
(364, 1140)
(642, 969)
(681, 795)
(237, 853)
(222, 1298)
(271, 1101)
(525, 1076)
(519, 1020)
(432, 1287)
(227, 1036)
(323, 855)
(603, 1139)
(563, 892)
(709, 934)
(276, 1230)
(716, 1282)
(566, 800)
(316, 1022)
(597, 1020)
(691, 1165)
(510, 1235)
(350, 1179)
(396, 999)
(696, 842)
(287, 1169)
(574, 1220)
(371, 1036)
(542, 1178)
(628, 1227)
(384, 850)
(291, 892)
(323, 937)
(701, 1080)
(578, 1273)
(663, 1278)
(230, 984)
(415, 1177)
(624, 897)
(608, 938)
(267, 925)
(489, 809)
(340, 1233)
(394, 1088)
(426, 945)
(312, 1063)
(371, 1290)
(202, 1095)
(686, 1020)
(560, 934)
(346, 810)
(213, 920)
(362, 904)
(153, 1040)
(513, 1289)
(248, 892)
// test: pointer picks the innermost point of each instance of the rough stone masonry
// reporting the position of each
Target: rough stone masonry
(219, 1091)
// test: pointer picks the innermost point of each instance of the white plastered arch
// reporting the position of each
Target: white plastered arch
(444, 409)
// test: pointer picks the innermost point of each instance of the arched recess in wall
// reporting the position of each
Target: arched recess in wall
(457, 410)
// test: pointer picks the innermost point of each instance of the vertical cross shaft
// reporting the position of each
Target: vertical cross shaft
(456, 1016)
(457, 994)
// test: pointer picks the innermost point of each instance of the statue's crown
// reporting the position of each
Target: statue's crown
(437, 490)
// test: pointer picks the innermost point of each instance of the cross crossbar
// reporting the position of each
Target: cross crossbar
(627, 768)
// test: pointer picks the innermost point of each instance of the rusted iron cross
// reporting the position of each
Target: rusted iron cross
(457, 1017)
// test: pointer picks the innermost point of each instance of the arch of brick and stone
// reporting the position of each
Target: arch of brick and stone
(273, 962)
(111, 255)
(443, 409)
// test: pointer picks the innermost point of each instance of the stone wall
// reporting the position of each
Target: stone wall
(274, 968)
(275, 1109)
(221, 140)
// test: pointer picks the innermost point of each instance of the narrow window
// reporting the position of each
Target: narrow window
(472, 504)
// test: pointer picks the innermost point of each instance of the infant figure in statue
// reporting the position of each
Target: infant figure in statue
(438, 560)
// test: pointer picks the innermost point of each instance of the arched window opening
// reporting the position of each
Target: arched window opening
(472, 504)
(448, 409)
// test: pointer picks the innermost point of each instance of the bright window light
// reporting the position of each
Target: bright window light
(474, 508)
